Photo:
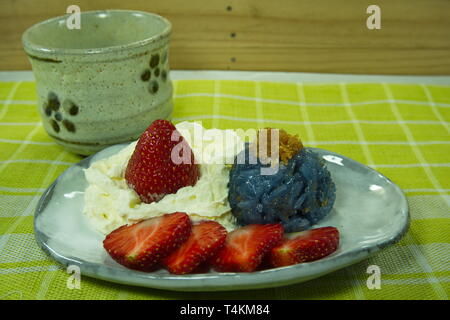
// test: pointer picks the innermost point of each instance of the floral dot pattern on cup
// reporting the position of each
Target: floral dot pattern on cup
(154, 60)
(154, 87)
(69, 125)
(164, 75)
(157, 71)
(56, 114)
(53, 102)
(54, 125)
(145, 76)
(73, 111)
(70, 107)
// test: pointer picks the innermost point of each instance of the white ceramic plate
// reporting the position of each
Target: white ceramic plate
(370, 211)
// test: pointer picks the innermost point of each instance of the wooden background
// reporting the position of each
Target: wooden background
(285, 35)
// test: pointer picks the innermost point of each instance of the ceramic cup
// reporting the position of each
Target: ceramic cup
(104, 83)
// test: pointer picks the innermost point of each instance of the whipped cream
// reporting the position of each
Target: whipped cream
(110, 203)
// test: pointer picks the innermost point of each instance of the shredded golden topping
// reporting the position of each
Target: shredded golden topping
(289, 145)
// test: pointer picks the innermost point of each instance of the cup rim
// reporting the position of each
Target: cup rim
(34, 48)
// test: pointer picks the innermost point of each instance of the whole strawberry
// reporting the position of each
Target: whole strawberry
(161, 163)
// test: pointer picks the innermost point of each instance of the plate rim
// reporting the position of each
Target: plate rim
(202, 281)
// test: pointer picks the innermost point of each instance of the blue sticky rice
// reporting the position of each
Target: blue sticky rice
(298, 196)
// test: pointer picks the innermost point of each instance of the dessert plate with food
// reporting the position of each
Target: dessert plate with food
(192, 209)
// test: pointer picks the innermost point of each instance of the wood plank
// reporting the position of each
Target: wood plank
(290, 35)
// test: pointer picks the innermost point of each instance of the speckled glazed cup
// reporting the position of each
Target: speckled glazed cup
(104, 83)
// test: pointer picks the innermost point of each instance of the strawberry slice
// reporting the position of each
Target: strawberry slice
(161, 163)
(245, 247)
(142, 245)
(206, 238)
(309, 245)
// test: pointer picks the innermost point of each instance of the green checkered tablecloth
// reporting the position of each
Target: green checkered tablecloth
(400, 130)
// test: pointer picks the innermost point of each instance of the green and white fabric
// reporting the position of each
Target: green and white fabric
(400, 130)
